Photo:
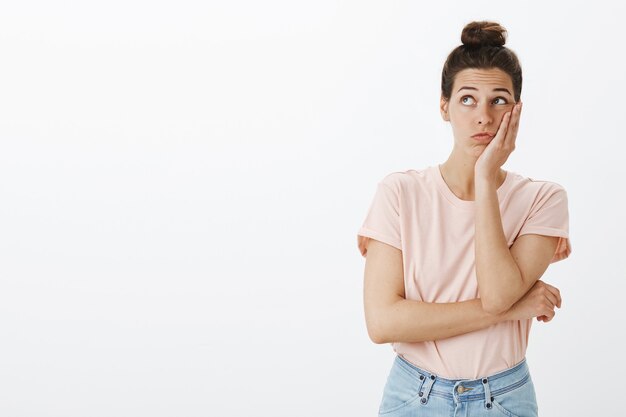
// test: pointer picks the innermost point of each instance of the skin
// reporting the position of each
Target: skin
(473, 169)
(470, 112)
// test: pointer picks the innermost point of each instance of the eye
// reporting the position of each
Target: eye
(464, 97)
(505, 100)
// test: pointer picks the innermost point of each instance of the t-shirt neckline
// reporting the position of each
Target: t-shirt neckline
(452, 198)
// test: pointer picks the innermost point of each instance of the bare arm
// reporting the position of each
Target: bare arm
(417, 321)
(505, 275)
(500, 281)
(390, 317)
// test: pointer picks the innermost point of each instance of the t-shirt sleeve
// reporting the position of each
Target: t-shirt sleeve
(550, 217)
(382, 221)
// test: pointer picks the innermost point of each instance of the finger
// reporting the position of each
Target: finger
(513, 125)
(517, 119)
(552, 298)
(502, 130)
(556, 292)
(549, 314)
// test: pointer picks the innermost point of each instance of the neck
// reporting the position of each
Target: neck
(458, 173)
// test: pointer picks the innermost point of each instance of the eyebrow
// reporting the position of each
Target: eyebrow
(495, 89)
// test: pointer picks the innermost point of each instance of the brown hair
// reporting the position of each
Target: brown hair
(483, 48)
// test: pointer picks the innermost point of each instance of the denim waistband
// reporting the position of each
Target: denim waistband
(467, 389)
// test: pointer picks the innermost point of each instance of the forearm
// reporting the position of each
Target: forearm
(499, 279)
(418, 321)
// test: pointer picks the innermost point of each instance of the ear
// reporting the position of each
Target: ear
(443, 108)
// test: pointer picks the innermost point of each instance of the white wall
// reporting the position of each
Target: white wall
(181, 184)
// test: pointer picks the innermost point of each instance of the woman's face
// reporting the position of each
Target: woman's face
(478, 102)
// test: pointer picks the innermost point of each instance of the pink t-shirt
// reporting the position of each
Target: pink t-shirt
(416, 212)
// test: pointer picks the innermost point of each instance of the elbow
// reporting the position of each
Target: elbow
(377, 338)
(376, 334)
(376, 328)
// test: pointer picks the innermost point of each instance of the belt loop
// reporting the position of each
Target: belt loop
(487, 393)
(426, 387)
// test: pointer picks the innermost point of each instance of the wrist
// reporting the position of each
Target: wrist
(483, 188)
(482, 176)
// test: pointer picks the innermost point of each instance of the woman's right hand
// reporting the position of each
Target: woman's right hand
(538, 302)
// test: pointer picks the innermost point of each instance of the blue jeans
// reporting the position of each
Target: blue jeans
(413, 391)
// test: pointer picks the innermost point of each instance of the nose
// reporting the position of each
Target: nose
(484, 115)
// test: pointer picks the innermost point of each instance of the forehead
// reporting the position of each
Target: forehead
(485, 80)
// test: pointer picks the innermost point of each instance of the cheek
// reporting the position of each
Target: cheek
(499, 114)
(505, 110)
(463, 109)
(462, 115)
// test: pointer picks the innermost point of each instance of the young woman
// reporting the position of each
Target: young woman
(454, 251)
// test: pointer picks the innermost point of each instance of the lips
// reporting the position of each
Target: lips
(483, 135)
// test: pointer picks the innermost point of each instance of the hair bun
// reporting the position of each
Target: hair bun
(483, 33)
